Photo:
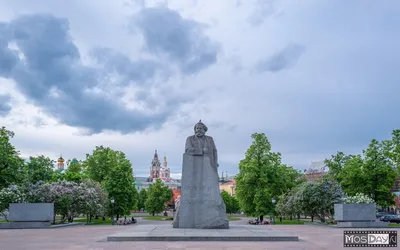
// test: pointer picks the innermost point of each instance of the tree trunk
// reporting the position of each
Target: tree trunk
(312, 218)
(290, 218)
(261, 218)
(104, 218)
(280, 219)
(54, 219)
(153, 213)
(298, 219)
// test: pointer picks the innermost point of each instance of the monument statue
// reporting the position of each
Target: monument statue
(200, 205)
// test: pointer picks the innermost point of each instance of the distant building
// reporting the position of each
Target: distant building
(60, 163)
(229, 187)
(316, 171)
(158, 172)
(155, 167)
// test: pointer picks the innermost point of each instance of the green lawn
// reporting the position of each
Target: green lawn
(233, 218)
(394, 225)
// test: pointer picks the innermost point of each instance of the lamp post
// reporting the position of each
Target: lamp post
(112, 210)
(273, 211)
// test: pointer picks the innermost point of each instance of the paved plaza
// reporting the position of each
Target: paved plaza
(234, 233)
(95, 238)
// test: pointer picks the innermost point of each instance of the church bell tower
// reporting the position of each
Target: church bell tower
(155, 167)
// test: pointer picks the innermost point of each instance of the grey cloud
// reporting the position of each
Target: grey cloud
(52, 61)
(5, 106)
(284, 59)
(262, 10)
(139, 72)
(179, 40)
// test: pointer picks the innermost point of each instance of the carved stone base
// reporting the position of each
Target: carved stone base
(201, 205)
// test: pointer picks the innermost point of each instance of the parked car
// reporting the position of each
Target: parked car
(381, 214)
(395, 219)
(391, 218)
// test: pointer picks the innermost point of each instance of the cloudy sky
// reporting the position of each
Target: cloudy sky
(315, 76)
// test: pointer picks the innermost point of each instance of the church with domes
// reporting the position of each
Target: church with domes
(158, 171)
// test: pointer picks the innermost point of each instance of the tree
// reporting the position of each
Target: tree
(318, 198)
(336, 165)
(100, 163)
(11, 164)
(57, 176)
(231, 203)
(157, 195)
(261, 177)
(119, 184)
(142, 199)
(74, 171)
(373, 173)
(39, 169)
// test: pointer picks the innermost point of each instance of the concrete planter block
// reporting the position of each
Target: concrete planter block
(31, 212)
(355, 212)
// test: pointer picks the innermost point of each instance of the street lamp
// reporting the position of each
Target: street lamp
(273, 211)
(112, 210)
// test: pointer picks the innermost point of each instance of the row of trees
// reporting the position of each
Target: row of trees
(70, 199)
(103, 174)
(373, 172)
(263, 178)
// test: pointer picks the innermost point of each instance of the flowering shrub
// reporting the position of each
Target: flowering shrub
(70, 199)
(359, 198)
(12, 194)
(311, 198)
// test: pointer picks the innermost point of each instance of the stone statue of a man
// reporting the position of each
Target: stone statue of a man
(200, 205)
(200, 144)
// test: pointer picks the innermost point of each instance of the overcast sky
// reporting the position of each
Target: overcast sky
(315, 76)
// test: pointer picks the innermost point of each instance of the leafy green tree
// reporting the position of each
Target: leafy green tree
(39, 169)
(119, 184)
(142, 199)
(157, 195)
(11, 164)
(74, 171)
(231, 203)
(373, 173)
(99, 164)
(57, 176)
(261, 177)
(336, 165)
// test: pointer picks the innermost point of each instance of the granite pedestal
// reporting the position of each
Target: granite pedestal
(29, 216)
(357, 216)
(235, 233)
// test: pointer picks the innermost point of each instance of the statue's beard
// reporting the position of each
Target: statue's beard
(199, 134)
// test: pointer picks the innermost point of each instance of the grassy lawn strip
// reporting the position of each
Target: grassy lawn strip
(291, 222)
(394, 225)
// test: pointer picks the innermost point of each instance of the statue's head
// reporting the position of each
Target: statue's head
(200, 129)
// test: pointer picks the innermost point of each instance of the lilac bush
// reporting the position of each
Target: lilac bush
(70, 199)
(12, 194)
(313, 199)
(359, 198)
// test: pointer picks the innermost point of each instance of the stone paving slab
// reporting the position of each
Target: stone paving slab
(167, 233)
